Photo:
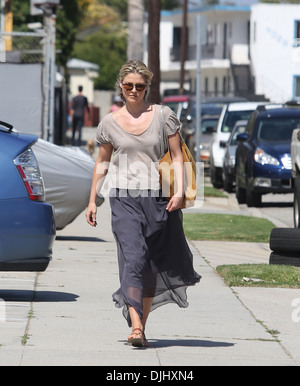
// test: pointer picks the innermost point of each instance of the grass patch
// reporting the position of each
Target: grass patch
(280, 276)
(210, 191)
(223, 227)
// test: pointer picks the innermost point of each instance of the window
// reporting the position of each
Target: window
(216, 86)
(297, 86)
(297, 30)
(206, 86)
(224, 85)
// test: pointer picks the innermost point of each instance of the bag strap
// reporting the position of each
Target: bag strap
(164, 142)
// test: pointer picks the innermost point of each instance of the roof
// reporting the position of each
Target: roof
(176, 98)
(279, 112)
(82, 65)
(206, 8)
(244, 106)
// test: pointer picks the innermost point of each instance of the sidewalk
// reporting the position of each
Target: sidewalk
(73, 320)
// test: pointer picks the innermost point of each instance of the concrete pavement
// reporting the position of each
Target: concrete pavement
(65, 316)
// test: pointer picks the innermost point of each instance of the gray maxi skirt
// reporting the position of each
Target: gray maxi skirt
(153, 254)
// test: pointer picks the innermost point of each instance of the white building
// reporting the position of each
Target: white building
(275, 50)
(83, 74)
(246, 51)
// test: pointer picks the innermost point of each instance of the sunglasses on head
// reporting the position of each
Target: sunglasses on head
(130, 86)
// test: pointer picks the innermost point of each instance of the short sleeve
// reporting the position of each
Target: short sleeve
(102, 136)
(171, 121)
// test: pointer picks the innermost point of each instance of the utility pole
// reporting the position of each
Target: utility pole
(198, 88)
(48, 9)
(183, 45)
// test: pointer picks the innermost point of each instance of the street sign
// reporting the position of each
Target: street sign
(35, 6)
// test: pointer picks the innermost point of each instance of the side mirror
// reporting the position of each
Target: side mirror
(211, 130)
(242, 137)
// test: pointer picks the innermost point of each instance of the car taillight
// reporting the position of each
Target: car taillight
(29, 170)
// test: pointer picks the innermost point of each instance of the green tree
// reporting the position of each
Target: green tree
(69, 16)
(108, 49)
(119, 6)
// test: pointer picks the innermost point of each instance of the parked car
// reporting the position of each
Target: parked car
(295, 156)
(263, 155)
(229, 158)
(67, 173)
(231, 113)
(178, 103)
(208, 127)
(27, 225)
(210, 105)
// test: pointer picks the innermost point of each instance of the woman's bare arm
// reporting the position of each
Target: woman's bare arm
(100, 171)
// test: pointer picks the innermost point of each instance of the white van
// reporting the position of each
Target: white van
(231, 113)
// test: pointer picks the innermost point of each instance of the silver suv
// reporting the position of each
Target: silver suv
(231, 113)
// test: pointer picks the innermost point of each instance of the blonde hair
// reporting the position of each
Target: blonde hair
(137, 67)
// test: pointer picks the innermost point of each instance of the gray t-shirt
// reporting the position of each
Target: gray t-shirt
(135, 158)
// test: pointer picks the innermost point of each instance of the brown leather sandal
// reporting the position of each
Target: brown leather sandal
(141, 341)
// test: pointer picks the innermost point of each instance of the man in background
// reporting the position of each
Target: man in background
(79, 104)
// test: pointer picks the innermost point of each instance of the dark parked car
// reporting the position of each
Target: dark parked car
(263, 156)
(229, 158)
(27, 225)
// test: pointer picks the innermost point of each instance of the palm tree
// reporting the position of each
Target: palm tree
(154, 7)
(135, 47)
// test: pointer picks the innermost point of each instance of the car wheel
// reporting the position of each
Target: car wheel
(296, 209)
(228, 186)
(276, 258)
(285, 240)
(240, 193)
(216, 177)
(253, 199)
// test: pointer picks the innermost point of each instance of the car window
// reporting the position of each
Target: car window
(239, 130)
(208, 125)
(277, 129)
(231, 117)
(208, 109)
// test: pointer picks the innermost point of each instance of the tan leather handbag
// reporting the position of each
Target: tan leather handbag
(166, 171)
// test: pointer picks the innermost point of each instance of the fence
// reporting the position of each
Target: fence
(35, 47)
(22, 47)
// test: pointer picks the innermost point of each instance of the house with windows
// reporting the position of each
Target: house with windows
(249, 51)
(275, 50)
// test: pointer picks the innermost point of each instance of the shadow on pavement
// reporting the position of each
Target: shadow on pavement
(79, 238)
(161, 343)
(37, 296)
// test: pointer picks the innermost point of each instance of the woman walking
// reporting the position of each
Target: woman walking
(155, 262)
